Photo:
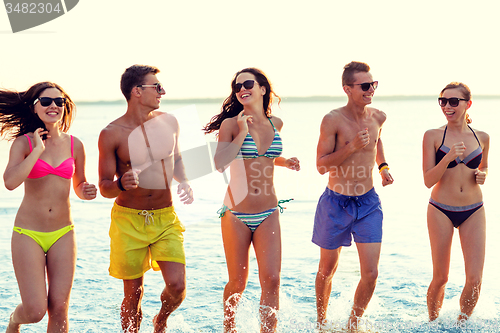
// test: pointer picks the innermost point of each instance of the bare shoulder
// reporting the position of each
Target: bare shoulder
(332, 121)
(164, 115)
(434, 134)
(22, 141)
(378, 115)
(166, 119)
(111, 135)
(77, 143)
(334, 116)
(110, 129)
(114, 126)
(277, 122)
(228, 129)
(229, 124)
(482, 136)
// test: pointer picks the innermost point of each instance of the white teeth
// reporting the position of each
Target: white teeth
(245, 95)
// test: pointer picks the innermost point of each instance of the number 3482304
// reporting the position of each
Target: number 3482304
(32, 8)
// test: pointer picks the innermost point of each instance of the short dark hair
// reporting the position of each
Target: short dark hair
(352, 68)
(134, 76)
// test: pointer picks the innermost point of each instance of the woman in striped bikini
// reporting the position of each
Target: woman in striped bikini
(249, 142)
(46, 160)
(455, 163)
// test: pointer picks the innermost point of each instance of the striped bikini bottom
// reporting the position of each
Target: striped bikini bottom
(252, 221)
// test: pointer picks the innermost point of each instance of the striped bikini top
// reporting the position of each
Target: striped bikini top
(41, 168)
(249, 150)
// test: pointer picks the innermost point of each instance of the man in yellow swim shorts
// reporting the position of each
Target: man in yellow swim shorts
(141, 149)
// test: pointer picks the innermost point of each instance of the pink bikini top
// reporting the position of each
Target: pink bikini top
(41, 168)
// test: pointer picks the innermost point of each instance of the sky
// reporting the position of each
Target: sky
(413, 48)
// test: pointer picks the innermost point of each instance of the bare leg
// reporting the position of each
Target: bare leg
(131, 312)
(440, 236)
(267, 244)
(328, 263)
(61, 261)
(473, 240)
(237, 238)
(174, 275)
(29, 263)
(11, 327)
(369, 255)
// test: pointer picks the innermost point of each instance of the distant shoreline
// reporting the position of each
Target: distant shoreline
(286, 99)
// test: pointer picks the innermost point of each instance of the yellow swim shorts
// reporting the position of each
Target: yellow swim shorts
(141, 238)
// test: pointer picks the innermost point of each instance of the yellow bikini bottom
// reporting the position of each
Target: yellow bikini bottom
(45, 239)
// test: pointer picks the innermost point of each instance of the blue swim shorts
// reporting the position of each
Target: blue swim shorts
(339, 216)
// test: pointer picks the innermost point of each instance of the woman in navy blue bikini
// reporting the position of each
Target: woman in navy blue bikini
(249, 142)
(455, 162)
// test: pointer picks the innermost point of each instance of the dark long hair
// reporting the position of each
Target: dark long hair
(17, 112)
(232, 107)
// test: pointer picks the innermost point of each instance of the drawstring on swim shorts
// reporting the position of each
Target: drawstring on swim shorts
(148, 217)
(354, 200)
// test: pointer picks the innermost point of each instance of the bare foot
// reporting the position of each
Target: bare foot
(160, 327)
(352, 323)
(322, 326)
(462, 320)
(11, 327)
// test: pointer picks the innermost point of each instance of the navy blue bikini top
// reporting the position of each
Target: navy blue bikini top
(472, 161)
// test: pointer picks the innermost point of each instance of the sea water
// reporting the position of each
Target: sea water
(399, 301)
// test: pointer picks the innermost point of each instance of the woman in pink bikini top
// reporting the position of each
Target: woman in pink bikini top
(47, 161)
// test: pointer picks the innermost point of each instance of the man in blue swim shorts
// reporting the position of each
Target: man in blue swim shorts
(349, 144)
(139, 157)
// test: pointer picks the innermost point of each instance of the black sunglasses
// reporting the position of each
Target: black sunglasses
(248, 84)
(366, 86)
(158, 86)
(453, 101)
(46, 101)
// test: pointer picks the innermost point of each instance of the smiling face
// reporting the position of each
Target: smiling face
(51, 114)
(455, 113)
(356, 93)
(251, 96)
(148, 95)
